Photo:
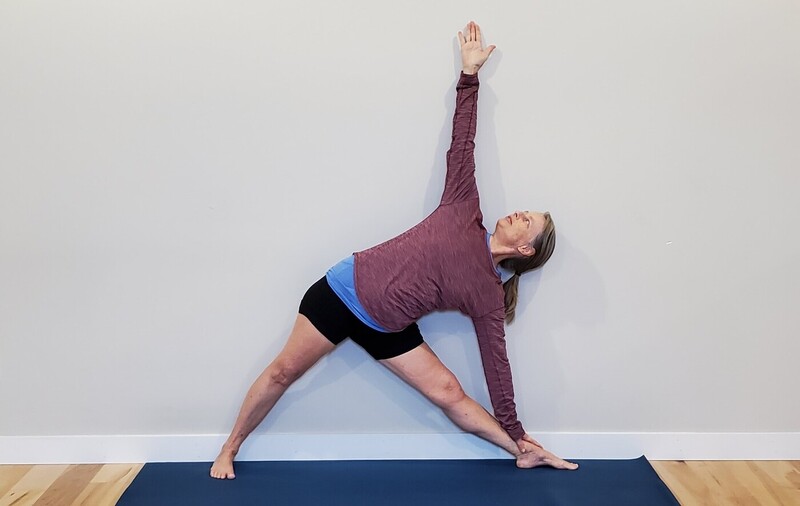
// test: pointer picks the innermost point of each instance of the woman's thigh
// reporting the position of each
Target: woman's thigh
(305, 345)
(423, 370)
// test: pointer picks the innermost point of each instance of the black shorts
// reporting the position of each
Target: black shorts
(336, 322)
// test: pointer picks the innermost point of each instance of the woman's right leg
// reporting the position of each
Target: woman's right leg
(305, 346)
(423, 370)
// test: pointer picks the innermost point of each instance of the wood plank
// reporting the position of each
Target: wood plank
(688, 486)
(720, 491)
(676, 475)
(780, 478)
(31, 486)
(91, 495)
(10, 475)
(111, 473)
(740, 485)
(108, 484)
(69, 485)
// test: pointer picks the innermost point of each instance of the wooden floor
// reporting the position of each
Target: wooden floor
(54, 485)
(716, 483)
(740, 482)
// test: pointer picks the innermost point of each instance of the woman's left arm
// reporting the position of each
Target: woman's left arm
(490, 330)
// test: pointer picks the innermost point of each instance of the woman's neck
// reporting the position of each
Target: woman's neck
(499, 250)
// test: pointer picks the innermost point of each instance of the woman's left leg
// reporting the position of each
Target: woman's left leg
(304, 347)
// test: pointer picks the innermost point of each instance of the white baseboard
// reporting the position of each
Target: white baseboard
(578, 445)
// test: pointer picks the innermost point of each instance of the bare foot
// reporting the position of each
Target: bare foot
(222, 469)
(536, 456)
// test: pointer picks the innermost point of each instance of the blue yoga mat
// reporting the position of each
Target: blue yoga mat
(401, 482)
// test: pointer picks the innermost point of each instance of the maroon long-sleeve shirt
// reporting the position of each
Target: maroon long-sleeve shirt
(444, 263)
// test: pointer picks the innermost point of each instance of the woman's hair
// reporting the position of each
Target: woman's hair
(544, 244)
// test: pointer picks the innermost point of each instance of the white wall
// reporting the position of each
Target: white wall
(174, 175)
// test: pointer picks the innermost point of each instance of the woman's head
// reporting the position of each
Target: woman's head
(532, 236)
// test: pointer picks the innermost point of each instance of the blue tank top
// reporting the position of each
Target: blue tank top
(341, 280)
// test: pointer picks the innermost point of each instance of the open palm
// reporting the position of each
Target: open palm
(473, 55)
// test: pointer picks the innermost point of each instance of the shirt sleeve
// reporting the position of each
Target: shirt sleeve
(492, 343)
(460, 182)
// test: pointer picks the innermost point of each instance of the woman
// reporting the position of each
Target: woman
(448, 261)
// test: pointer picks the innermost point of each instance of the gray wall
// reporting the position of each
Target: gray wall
(175, 174)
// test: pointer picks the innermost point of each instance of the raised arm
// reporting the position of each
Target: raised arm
(460, 180)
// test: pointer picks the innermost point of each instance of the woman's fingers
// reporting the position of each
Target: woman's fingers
(560, 463)
(553, 460)
(472, 33)
(568, 465)
(527, 437)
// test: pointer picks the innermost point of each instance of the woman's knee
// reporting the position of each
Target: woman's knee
(448, 392)
(284, 372)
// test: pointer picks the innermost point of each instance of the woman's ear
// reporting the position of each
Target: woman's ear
(526, 250)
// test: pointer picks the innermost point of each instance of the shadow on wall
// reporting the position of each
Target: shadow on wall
(578, 285)
(581, 286)
(487, 167)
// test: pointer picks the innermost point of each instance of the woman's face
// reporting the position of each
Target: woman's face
(519, 228)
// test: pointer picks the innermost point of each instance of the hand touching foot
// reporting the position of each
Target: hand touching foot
(536, 456)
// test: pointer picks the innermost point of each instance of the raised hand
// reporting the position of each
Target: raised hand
(473, 55)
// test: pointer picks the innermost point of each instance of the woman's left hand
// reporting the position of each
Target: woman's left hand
(535, 456)
(473, 55)
(528, 439)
